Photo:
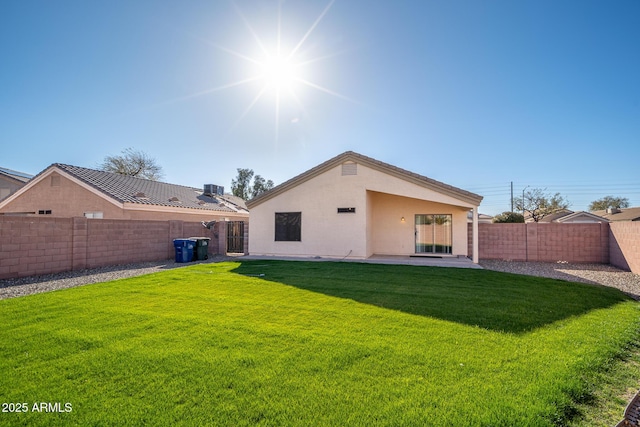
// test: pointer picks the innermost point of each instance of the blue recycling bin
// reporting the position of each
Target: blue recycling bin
(184, 249)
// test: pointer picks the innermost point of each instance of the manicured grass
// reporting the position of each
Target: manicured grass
(313, 343)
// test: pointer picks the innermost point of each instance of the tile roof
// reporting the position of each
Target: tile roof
(551, 217)
(128, 189)
(624, 214)
(18, 176)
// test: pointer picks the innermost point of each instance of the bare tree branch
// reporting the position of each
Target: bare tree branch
(133, 163)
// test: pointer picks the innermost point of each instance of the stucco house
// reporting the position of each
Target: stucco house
(567, 216)
(11, 181)
(353, 206)
(72, 191)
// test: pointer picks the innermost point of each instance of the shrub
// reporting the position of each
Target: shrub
(508, 217)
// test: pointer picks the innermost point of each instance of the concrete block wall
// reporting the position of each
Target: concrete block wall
(113, 242)
(501, 241)
(624, 242)
(579, 243)
(30, 247)
(34, 246)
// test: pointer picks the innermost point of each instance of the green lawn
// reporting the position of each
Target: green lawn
(313, 343)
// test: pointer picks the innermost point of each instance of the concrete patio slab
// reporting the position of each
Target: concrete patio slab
(445, 261)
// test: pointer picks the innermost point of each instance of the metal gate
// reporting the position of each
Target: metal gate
(235, 237)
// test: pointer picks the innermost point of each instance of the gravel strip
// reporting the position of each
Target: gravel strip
(586, 273)
(600, 274)
(12, 288)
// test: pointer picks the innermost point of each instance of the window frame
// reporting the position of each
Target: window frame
(288, 227)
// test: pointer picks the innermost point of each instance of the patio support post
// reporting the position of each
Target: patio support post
(475, 235)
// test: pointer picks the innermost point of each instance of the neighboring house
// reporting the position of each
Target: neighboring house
(580, 217)
(549, 218)
(353, 206)
(11, 181)
(482, 218)
(72, 191)
(620, 214)
(569, 217)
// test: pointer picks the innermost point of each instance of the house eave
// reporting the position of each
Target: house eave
(129, 206)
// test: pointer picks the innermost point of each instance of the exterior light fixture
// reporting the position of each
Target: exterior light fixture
(402, 219)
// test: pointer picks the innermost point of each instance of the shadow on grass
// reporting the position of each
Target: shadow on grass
(488, 299)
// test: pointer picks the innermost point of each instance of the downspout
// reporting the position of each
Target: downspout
(475, 235)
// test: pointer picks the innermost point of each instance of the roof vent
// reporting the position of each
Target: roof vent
(349, 168)
(213, 190)
(140, 195)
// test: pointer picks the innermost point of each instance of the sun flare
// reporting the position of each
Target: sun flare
(279, 73)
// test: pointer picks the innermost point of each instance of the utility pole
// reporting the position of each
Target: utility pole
(511, 196)
(523, 199)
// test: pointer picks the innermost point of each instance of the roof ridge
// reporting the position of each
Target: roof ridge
(352, 155)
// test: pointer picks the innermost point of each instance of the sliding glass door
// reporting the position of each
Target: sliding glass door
(433, 234)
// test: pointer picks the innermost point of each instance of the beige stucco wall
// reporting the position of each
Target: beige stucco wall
(380, 201)
(66, 199)
(391, 236)
(324, 232)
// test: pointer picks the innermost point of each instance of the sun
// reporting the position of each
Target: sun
(279, 73)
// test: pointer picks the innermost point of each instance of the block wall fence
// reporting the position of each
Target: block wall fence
(616, 243)
(624, 244)
(33, 246)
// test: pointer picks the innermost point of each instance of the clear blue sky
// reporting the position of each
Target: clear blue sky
(472, 93)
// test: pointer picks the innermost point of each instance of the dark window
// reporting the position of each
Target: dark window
(44, 212)
(288, 226)
(346, 210)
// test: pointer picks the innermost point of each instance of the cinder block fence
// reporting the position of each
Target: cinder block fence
(616, 243)
(33, 246)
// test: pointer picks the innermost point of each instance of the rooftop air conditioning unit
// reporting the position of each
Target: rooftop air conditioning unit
(213, 190)
(611, 211)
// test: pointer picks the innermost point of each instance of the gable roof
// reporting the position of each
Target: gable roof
(15, 175)
(127, 189)
(386, 168)
(553, 217)
(621, 214)
(581, 214)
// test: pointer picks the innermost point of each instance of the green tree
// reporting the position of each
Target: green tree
(260, 186)
(508, 217)
(538, 204)
(242, 187)
(609, 202)
(133, 163)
